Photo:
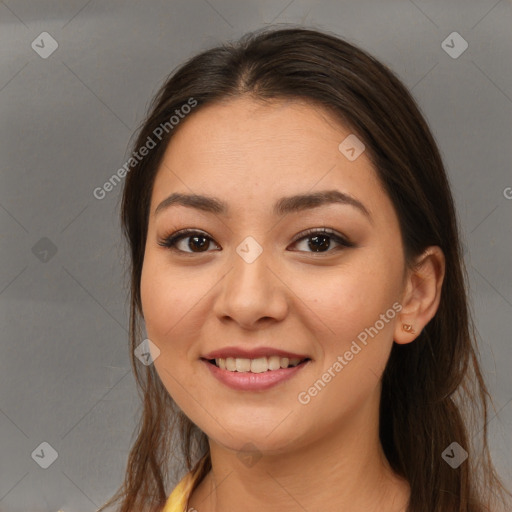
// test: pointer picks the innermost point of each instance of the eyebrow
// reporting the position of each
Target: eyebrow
(283, 206)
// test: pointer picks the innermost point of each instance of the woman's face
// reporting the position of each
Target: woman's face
(252, 279)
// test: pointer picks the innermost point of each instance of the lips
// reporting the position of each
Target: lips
(244, 353)
(252, 381)
(254, 369)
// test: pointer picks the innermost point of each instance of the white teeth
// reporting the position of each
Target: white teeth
(243, 365)
(274, 363)
(258, 365)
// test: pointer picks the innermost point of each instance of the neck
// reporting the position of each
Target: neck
(344, 469)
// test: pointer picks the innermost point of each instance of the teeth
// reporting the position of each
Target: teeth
(258, 365)
(274, 363)
(243, 365)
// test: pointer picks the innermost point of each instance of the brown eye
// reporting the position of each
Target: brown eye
(193, 241)
(320, 241)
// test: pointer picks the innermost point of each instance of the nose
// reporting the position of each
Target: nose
(252, 293)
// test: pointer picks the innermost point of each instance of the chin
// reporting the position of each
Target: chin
(248, 438)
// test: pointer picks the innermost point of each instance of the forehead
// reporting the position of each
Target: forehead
(248, 150)
(239, 128)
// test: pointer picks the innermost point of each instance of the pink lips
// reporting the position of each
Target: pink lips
(252, 353)
(248, 381)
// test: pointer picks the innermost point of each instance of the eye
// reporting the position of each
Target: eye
(196, 240)
(320, 240)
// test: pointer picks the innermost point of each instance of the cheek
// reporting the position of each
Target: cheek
(352, 298)
(165, 297)
(173, 312)
(163, 306)
(153, 297)
(161, 309)
(357, 308)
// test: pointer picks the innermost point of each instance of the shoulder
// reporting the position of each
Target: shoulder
(178, 499)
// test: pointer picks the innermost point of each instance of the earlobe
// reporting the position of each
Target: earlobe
(408, 328)
(422, 296)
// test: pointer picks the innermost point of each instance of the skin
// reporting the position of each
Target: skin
(324, 455)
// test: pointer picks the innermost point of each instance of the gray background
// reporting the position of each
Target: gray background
(65, 126)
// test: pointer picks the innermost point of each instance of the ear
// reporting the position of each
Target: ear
(422, 294)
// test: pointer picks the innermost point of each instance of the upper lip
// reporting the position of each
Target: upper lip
(239, 352)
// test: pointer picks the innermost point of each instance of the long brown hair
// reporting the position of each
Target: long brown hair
(433, 392)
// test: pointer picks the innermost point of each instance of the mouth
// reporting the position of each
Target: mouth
(256, 374)
(256, 365)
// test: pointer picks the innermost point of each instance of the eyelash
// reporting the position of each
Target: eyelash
(170, 241)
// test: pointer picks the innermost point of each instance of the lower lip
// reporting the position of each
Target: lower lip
(248, 381)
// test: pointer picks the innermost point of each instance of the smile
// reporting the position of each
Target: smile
(257, 365)
(254, 374)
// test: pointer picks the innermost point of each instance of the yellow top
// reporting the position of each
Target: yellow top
(178, 499)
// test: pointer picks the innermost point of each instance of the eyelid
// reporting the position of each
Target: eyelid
(335, 235)
(170, 241)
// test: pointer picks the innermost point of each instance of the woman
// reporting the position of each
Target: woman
(297, 264)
